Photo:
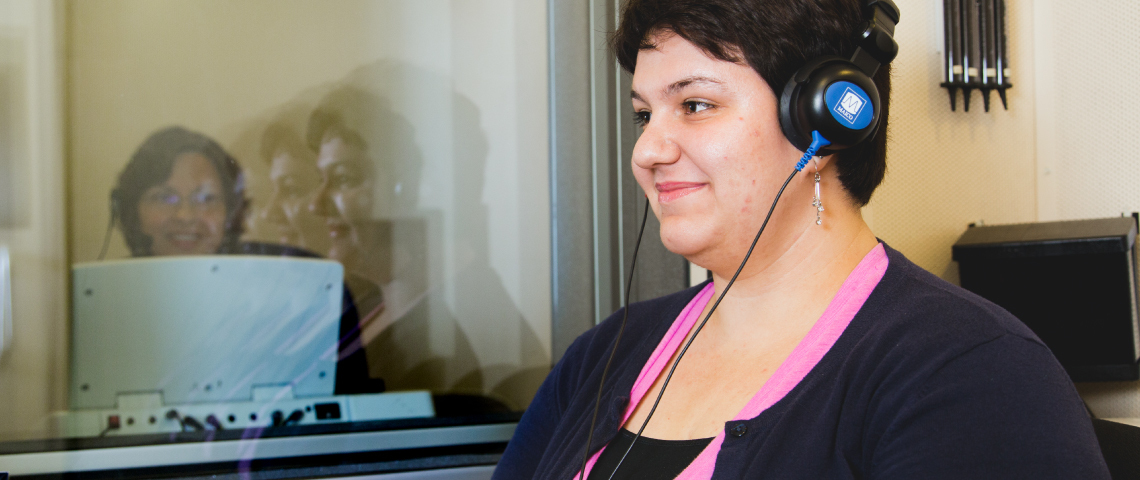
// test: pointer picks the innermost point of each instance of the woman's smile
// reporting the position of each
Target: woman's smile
(671, 191)
(185, 241)
(338, 229)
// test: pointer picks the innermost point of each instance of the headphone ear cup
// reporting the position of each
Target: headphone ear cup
(790, 110)
(833, 96)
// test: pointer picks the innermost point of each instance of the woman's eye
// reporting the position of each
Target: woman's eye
(289, 191)
(290, 186)
(344, 181)
(641, 118)
(206, 198)
(695, 106)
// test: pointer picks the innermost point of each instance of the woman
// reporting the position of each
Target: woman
(294, 177)
(831, 356)
(366, 198)
(181, 194)
(369, 174)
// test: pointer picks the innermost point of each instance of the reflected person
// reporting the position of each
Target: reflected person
(294, 176)
(369, 166)
(344, 200)
(363, 199)
(180, 194)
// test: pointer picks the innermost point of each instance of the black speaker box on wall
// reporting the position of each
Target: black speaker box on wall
(1073, 283)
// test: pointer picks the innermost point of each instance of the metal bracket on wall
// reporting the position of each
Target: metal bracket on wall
(976, 55)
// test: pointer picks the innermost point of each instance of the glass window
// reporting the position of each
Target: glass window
(289, 218)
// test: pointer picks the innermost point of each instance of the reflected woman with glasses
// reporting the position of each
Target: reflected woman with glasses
(181, 194)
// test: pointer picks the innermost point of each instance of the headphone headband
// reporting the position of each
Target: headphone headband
(877, 45)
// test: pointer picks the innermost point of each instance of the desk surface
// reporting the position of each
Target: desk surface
(1134, 421)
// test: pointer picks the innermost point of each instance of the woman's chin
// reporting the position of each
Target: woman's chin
(686, 229)
(684, 244)
(184, 250)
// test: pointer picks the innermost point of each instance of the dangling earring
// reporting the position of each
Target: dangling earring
(816, 202)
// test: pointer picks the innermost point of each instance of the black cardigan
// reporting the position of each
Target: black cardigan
(928, 381)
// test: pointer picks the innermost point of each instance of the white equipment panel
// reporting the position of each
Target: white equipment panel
(271, 407)
(203, 329)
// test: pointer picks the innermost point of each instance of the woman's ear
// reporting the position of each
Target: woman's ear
(817, 164)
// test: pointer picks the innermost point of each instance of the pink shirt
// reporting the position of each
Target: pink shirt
(803, 358)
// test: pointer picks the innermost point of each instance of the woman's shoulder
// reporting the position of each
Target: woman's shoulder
(915, 324)
(923, 307)
(943, 374)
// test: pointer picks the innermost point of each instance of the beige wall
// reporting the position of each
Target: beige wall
(33, 368)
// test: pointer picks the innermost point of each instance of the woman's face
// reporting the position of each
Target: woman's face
(711, 155)
(185, 215)
(344, 197)
(287, 212)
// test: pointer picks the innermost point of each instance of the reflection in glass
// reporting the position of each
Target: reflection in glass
(293, 177)
(379, 139)
(367, 200)
(367, 180)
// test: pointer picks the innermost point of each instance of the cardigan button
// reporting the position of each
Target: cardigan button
(739, 430)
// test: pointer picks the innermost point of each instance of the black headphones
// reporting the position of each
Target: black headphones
(836, 96)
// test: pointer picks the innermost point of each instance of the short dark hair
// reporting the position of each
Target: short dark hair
(153, 163)
(775, 38)
(326, 124)
(366, 121)
(281, 137)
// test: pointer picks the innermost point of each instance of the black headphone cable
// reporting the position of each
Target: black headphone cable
(818, 142)
(702, 325)
(617, 339)
(107, 236)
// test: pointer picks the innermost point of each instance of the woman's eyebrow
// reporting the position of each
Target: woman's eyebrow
(674, 87)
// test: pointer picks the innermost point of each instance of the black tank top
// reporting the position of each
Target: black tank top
(650, 459)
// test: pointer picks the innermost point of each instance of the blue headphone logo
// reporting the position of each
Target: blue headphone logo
(850, 105)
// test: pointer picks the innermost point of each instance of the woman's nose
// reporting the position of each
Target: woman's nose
(274, 212)
(655, 147)
(321, 204)
(185, 211)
